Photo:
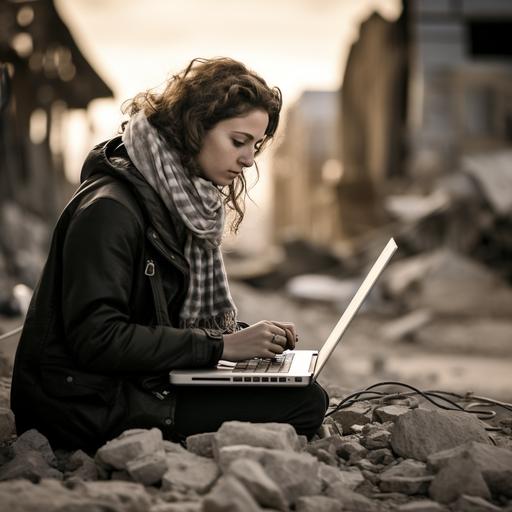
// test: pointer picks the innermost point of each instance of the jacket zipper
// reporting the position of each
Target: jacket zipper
(150, 271)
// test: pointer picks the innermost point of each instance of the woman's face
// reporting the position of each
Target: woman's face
(230, 146)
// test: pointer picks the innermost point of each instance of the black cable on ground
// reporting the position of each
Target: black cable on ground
(433, 396)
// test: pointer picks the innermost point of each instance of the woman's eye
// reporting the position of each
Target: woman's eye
(238, 143)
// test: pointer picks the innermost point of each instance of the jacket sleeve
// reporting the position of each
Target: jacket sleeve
(100, 255)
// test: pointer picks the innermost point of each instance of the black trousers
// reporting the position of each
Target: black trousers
(204, 408)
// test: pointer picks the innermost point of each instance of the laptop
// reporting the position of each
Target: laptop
(294, 367)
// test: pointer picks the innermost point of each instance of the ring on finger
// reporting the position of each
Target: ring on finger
(273, 338)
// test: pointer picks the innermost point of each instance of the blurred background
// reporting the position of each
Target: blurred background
(397, 122)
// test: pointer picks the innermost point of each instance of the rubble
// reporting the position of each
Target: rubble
(422, 432)
(425, 461)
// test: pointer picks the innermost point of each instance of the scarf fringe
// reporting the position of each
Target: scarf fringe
(224, 323)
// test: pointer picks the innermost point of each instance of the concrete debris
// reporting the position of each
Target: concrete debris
(133, 444)
(229, 494)
(444, 282)
(494, 464)
(279, 436)
(201, 444)
(390, 412)
(359, 413)
(422, 432)
(422, 506)
(456, 478)
(432, 460)
(317, 504)
(474, 504)
(263, 489)
(148, 469)
(189, 471)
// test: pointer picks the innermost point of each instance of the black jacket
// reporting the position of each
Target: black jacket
(101, 332)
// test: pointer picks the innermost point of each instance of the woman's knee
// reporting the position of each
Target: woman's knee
(314, 407)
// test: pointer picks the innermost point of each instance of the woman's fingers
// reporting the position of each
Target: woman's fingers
(290, 332)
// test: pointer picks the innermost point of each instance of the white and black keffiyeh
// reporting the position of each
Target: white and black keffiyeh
(198, 203)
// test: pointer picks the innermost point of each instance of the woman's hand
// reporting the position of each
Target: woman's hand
(264, 339)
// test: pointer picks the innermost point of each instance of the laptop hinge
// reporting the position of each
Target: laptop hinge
(312, 364)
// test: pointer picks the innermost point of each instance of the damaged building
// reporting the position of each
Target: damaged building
(43, 76)
(423, 136)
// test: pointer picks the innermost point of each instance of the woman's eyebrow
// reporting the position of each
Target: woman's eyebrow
(248, 135)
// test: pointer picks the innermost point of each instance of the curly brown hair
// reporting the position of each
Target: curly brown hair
(196, 99)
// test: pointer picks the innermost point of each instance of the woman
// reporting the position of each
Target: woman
(135, 286)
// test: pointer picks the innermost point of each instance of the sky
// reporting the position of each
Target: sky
(137, 44)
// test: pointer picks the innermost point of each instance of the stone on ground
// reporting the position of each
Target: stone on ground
(263, 489)
(359, 413)
(277, 436)
(148, 469)
(201, 444)
(349, 500)
(317, 504)
(474, 504)
(422, 432)
(189, 471)
(456, 478)
(494, 463)
(229, 494)
(130, 445)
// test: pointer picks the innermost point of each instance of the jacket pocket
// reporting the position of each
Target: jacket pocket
(70, 383)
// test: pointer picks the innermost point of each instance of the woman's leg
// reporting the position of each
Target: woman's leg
(204, 408)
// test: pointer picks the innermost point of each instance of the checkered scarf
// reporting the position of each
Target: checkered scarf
(198, 204)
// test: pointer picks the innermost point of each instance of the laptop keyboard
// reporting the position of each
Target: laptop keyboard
(279, 364)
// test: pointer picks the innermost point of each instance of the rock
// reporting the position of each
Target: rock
(456, 478)
(473, 504)
(351, 450)
(349, 500)
(119, 496)
(32, 440)
(81, 467)
(265, 491)
(30, 465)
(317, 504)
(366, 465)
(229, 495)
(408, 467)
(422, 506)
(422, 432)
(130, 445)
(182, 506)
(148, 469)
(359, 413)
(390, 412)
(377, 440)
(170, 447)
(189, 471)
(277, 436)
(330, 444)
(7, 425)
(330, 475)
(494, 463)
(201, 444)
(381, 456)
(295, 473)
(409, 485)
(25, 496)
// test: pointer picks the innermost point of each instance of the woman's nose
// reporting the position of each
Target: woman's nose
(247, 159)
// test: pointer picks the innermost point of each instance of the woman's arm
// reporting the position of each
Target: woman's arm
(101, 255)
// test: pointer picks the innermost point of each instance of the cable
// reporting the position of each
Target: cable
(11, 333)
(432, 396)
